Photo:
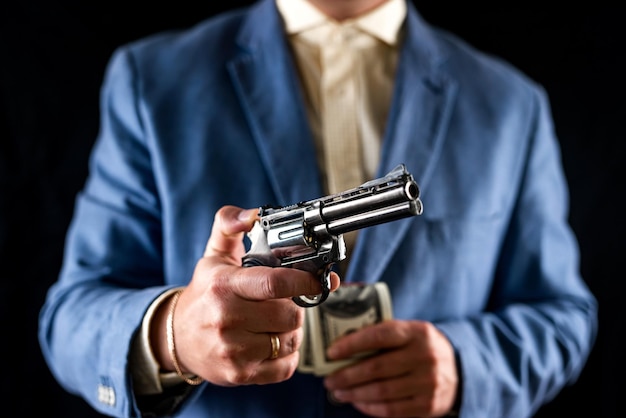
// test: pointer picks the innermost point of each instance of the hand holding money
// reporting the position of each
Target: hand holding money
(349, 308)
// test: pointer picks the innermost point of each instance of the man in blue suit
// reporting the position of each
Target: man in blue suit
(286, 101)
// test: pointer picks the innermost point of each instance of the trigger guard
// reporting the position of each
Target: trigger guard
(309, 301)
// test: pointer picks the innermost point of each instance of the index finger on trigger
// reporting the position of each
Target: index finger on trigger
(262, 283)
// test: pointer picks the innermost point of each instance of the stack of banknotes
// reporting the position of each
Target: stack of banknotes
(349, 308)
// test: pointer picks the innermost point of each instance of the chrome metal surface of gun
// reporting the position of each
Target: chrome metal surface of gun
(309, 235)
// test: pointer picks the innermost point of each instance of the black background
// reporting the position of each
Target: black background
(52, 58)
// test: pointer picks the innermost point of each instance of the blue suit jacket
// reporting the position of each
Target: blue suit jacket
(214, 115)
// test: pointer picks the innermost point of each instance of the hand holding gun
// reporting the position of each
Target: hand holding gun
(309, 235)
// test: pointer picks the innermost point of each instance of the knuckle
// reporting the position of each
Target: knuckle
(292, 342)
(297, 317)
(373, 367)
(230, 354)
(223, 214)
(268, 286)
(284, 373)
(382, 335)
(242, 376)
(382, 391)
(216, 288)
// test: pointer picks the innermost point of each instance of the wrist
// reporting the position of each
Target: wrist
(158, 333)
(171, 342)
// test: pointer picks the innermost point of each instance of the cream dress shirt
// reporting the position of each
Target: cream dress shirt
(347, 73)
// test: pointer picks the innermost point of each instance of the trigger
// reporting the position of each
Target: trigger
(309, 301)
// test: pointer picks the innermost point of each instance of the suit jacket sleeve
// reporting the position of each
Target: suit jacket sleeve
(113, 262)
(541, 321)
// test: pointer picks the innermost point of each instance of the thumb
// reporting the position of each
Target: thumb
(229, 226)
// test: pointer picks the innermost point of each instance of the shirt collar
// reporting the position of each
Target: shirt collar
(384, 22)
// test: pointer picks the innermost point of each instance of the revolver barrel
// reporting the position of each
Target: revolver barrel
(372, 207)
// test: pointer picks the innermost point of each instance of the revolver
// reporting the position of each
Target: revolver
(309, 235)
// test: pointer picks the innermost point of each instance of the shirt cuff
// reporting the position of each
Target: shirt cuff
(145, 370)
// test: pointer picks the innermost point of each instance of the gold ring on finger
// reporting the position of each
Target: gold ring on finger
(275, 346)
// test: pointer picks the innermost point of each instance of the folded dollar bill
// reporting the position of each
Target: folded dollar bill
(349, 308)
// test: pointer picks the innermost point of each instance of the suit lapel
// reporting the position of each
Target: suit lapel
(265, 79)
(267, 84)
(415, 132)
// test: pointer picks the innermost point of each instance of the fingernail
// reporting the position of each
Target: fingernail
(333, 399)
(338, 396)
(245, 215)
(331, 352)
